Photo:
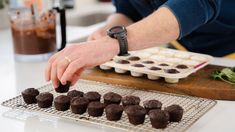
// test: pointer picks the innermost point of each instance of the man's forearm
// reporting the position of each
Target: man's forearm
(159, 28)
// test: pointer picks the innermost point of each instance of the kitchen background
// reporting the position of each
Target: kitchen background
(79, 12)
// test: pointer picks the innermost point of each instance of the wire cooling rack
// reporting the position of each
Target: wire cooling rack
(194, 107)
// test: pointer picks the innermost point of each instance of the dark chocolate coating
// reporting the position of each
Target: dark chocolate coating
(112, 98)
(137, 65)
(113, 112)
(148, 62)
(63, 88)
(130, 100)
(62, 103)
(175, 112)
(134, 58)
(159, 118)
(95, 109)
(75, 93)
(44, 100)
(136, 114)
(163, 64)
(92, 96)
(182, 67)
(152, 104)
(29, 95)
(172, 71)
(123, 62)
(79, 105)
(154, 68)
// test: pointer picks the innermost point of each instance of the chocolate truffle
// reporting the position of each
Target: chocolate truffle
(175, 112)
(148, 62)
(95, 109)
(44, 100)
(152, 104)
(29, 95)
(181, 66)
(130, 100)
(92, 96)
(123, 62)
(134, 58)
(63, 88)
(136, 114)
(159, 118)
(112, 98)
(154, 68)
(75, 93)
(62, 103)
(172, 71)
(137, 65)
(113, 112)
(163, 64)
(79, 105)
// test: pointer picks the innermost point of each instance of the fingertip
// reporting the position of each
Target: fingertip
(63, 82)
(56, 85)
(46, 77)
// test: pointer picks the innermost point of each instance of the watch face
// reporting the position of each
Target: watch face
(117, 29)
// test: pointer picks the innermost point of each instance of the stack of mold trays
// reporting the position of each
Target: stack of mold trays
(158, 62)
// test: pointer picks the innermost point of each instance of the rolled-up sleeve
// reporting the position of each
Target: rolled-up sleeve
(192, 14)
(126, 8)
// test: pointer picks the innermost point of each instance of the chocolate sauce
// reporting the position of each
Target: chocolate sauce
(181, 66)
(163, 64)
(154, 68)
(123, 62)
(134, 58)
(172, 71)
(138, 65)
(148, 62)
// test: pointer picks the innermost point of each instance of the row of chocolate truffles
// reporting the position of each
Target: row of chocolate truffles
(90, 102)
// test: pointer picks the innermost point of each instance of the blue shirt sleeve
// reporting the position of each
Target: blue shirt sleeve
(192, 14)
(125, 7)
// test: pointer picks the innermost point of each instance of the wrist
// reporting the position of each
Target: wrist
(112, 44)
(131, 39)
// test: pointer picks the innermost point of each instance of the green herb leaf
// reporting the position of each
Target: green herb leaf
(226, 75)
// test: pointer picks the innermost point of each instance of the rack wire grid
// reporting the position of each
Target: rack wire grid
(194, 107)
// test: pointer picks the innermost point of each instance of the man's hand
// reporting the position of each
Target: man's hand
(68, 64)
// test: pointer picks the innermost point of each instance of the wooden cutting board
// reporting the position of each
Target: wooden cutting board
(198, 84)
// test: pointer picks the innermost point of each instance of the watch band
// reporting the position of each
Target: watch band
(123, 44)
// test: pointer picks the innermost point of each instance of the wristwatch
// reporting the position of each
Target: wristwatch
(120, 33)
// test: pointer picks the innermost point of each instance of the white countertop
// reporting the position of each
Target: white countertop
(17, 76)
